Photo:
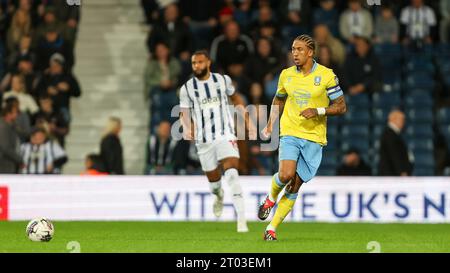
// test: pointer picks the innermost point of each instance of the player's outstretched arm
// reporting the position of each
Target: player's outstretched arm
(187, 123)
(275, 110)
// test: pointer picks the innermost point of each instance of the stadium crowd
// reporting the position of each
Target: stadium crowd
(37, 41)
(392, 61)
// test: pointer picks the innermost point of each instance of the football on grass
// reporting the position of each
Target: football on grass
(40, 230)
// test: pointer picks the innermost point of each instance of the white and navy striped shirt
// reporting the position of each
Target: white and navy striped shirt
(418, 21)
(36, 158)
(211, 113)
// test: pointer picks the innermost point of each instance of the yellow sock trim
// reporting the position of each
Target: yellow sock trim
(275, 188)
(284, 207)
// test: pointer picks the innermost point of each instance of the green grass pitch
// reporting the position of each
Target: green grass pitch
(221, 237)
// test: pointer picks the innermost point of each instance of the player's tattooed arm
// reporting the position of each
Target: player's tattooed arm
(275, 110)
(337, 107)
(187, 123)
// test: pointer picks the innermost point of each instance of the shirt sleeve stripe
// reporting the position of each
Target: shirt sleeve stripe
(333, 87)
(335, 95)
(338, 88)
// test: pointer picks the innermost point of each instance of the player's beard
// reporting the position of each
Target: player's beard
(201, 74)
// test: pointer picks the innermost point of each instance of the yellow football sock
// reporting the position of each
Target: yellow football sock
(284, 207)
(276, 187)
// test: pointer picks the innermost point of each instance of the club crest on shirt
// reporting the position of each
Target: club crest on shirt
(317, 80)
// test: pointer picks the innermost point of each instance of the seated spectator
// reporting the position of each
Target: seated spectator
(160, 148)
(394, 154)
(24, 67)
(268, 30)
(27, 103)
(36, 155)
(20, 26)
(200, 15)
(69, 15)
(445, 21)
(353, 165)
(173, 32)
(418, 23)
(324, 58)
(297, 19)
(323, 37)
(10, 158)
(264, 16)
(327, 14)
(362, 72)
(60, 85)
(231, 49)
(260, 162)
(53, 42)
(243, 14)
(58, 126)
(57, 151)
(22, 124)
(355, 21)
(22, 51)
(161, 78)
(49, 20)
(265, 63)
(151, 11)
(111, 150)
(386, 26)
(93, 165)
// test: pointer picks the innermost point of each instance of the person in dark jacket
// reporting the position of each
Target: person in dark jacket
(394, 156)
(362, 72)
(353, 165)
(173, 32)
(60, 85)
(110, 147)
(10, 159)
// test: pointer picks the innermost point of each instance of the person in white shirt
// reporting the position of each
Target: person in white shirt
(26, 101)
(418, 23)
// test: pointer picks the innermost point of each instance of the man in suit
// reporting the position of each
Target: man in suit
(394, 159)
(10, 158)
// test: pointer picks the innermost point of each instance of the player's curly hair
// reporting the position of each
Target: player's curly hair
(308, 41)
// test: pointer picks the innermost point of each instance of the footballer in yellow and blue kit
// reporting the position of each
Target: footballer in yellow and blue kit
(302, 139)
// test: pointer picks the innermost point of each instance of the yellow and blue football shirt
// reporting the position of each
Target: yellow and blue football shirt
(311, 91)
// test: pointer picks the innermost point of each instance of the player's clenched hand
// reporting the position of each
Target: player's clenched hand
(266, 132)
(309, 113)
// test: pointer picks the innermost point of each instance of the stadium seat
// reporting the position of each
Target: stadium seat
(419, 99)
(424, 159)
(419, 130)
(443, 115)
(355, 131)
(420, 144)
(445, 130)
(419, 80)
(360, 143)
(380, 115)
(423, 171)
(326, 171)
(419, 65)
(378, 130)
(419, 115)
(360, 100)
(386, 100)
(329, 159)
(357, 116)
